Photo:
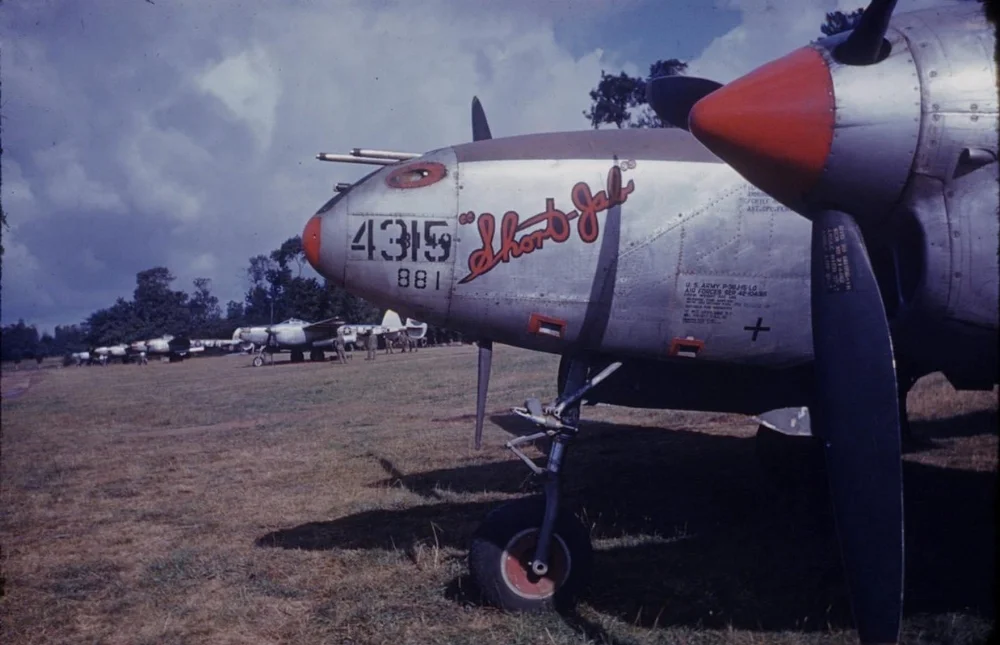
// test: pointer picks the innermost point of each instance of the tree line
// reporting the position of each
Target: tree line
(277, 291)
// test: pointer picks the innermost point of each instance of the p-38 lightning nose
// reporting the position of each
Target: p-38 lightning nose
(389, 234)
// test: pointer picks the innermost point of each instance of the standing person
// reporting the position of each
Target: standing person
(338, 345)
(388, 345)
(372, 345)
(142, 359)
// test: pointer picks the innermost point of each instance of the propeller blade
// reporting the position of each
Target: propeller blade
(864, 45)
(481, 132)
(482, 386)
(672, 97)
(480, 127)
(857, 415)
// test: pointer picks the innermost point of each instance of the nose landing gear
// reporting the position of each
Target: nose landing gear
(531, 555)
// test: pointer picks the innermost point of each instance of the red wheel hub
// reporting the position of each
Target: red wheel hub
(515, 565)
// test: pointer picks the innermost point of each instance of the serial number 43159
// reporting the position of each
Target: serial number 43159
(399, 240)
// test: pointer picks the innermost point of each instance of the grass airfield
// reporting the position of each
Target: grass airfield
(212, 502)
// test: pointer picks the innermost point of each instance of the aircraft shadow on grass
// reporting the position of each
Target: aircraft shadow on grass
(739, 546)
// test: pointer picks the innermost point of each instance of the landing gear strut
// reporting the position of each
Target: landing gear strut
(530, 555)
(258, 358)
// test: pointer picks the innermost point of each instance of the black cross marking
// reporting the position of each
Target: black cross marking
(756, 329)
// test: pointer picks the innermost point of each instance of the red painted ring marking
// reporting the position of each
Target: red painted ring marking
(416, 175)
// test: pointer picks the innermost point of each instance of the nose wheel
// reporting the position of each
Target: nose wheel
(503, 549)
(532, 555)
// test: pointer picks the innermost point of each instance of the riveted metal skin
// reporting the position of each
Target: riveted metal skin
(953, 196)
(875, 133)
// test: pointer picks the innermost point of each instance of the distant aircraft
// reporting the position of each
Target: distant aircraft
(217, 344)
(296, 335)
(391, 328)
(667, 278)
(172, 347)
(113, 351)
(80, 358)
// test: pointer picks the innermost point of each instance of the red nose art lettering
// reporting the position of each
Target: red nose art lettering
(514, 243)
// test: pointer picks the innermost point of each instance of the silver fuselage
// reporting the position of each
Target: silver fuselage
(290, 336)
(509, 239)
(680, 257)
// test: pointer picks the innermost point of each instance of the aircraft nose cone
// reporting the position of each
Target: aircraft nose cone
(774, 125)
(311, 238)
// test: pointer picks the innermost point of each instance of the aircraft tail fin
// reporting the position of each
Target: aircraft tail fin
(392, 320)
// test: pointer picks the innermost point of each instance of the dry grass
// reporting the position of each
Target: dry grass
(211, 502)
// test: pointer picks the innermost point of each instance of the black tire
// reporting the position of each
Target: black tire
(298, 356)
(258, 361)
(504, 580)
(317, 355)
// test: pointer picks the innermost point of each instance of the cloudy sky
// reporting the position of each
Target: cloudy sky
(182, 133)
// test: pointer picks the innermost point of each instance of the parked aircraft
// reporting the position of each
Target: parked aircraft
(113, 351)
(296, 335)
(391, 328)
(172, 347)
(667, 278)
(291, 335)
(216, 345)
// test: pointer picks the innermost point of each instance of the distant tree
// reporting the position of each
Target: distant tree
(206, 314)
(3, 227)
(351, 308)
(115, 324)
(259, 300)
(838, 21)
(234, 311)
(159, 309)
(290, 251)
(47, 345)
(18, 341)
(616, 95)
(277, 292)
(69, 339)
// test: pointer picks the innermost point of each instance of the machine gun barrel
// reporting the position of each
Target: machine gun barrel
(329, 156)
(383, 154)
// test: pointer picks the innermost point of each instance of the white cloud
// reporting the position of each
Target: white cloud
(16, 193)
(248, 85)
(67, 185)
(771, 28)
(200, 122)
(152, 159)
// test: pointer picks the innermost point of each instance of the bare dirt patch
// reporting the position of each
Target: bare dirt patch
(212, 502)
